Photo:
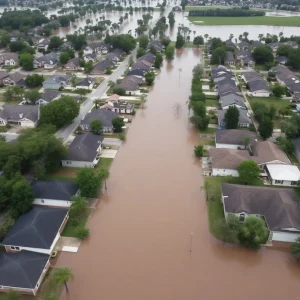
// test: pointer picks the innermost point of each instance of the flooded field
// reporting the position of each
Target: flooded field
(140, 234)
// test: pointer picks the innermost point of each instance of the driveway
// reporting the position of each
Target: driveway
(112, 142)
(108, 153)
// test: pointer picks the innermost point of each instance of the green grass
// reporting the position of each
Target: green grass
(210, 102)
(292, 158)
(210, 142)
(211, 97)
(208, 131)
(104, 163)
(260, 68)
(268, 101)
(71, 228)
(263, 20)
(188, 8)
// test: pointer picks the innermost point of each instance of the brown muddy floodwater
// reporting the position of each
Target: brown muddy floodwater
(139, 245)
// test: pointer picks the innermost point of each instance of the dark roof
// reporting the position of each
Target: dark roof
(17, 112)
(84, 147)
(75, 61)
(101, 66)
(150, 57)
(233, 136)
(157, 45)
(50, 57)
(137, 72)
(49, 95)
(21, 269)
(279, 206)
(231, 99)
(229, 56)
(130, 83)
(54, 189)
(106, 117)
(243, 116)
(57, 79)
(86, 81)
(90, 55)
(141, 65)
(36, 228)
(258, 85)
(281, 59)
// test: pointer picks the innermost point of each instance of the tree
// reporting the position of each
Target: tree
(118, 123)
(198, 40)
(198, 150)
(82, 233)
(140, 52)
(149, 78)
(96, 126)
(78, 206)
(286, 144)
(198, 71)
(26, 61)
(158, 60)
(88, 67)
(14, 93)
(294, 59)
(62, 275)
(60, 112)
(265, 128)
(179, 41)
(232, 117)
(12, 295)
(295, 249)
(171, 17)
(55, 43)
(22, 198)
(246, 141)
(170, 51)
(32, 96)
(248, 171)
(64, 21)
(34, 80)
(197, 96)
(253, 233)
(88, 182)
(143, 41)
(227, 230)
(218, 56)
(143, 100)
(284, 50)
(278, 90)
(64, 57)
(263, 54)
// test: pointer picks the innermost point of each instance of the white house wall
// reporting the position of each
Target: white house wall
(27, 123)
(229, 146)
(52, 202)
(225, 172)
(259, 94)
(77, 164)
(285, 183)
(285, 236)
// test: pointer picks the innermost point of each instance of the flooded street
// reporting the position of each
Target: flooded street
(140, 233)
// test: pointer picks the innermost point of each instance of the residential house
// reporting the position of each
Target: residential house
(84, 151)
(73, 64)
(292, 44)
(65, 46)
(229, 44)
(86, 83)
(232, 100)
(243, 45)
(90, 57)
(245, 58)
(48, 61)
(3, 75)
(142, 65)
(43, 44)
(23, 271)
(244, 119)
(257, 85)
(57, 81)
(229, 58)
(20, 115)
(130, 84)
(120, 107)
(9, 59)
(157, 45)
(47, 97)
(256, 44)
(101, 67)
(225, 162)
(16, 36)
(274, 46)
(149, 57)
(137, 72)
(15, 79)
(279, 207)
(96, 48)
(54, 193)
(104, 115)
(283, 175)
(38, 230)
(281, 59)
(234, 138)
(113, 57)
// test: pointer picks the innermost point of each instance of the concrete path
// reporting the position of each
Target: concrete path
(67, 244)
(108, 153)
(212, 126)
(112, 142)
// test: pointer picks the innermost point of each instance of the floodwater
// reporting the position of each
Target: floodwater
(140, 233)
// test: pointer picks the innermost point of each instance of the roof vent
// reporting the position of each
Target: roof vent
(297, 81)
(293, 78)
(20, 115)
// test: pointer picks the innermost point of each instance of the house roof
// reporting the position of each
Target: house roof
(10, 55)
(224, 158)
(243, 44)
(16, 77)
(75, 61)
(229, 43)
(118, 52)
(17, 112)
(22, 269)
(106, 117)
(57, 79)
(229, 56)
(101, 66)
(279, 206)
(141, 64)
(243, 116)
(36, 228)
(48, 58)
(150, 57)
(84, 147)
(3, 74)
(49, 95)
(90, 56)
(281, 59)
(284, 172)
(54, 189)
(234, 136)
(267, 151)
(130, 83)
(157, 45)
(232, 99)
(114, 97)
(258, 85)
(87, 81)
(137, 72)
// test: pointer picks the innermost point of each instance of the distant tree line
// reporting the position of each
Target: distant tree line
(231, 12)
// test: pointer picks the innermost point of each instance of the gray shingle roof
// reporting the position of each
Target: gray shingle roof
(232, 99)
(21, 269)
(279, 206)
(49, 95)
(15, 112)
(86, 81)
(106, 117)
(243, 117)
(233, 136)
(54, 189)
(36, 228)
(130, 83)
(57, 79)
(101, 66)
(84, 147)
(150, 57)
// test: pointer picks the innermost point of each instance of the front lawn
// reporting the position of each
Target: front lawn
(104, 163)
(64, 173)
(268, 101)
(208, 131)
(211, 102)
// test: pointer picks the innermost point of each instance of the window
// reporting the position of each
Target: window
(1, 287)
(15, 248)
(278, 181)
(37, 285)
(242, 217)
(294, 182)
(43, 201)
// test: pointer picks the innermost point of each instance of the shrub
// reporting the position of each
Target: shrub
(198, 151)
(82, 233)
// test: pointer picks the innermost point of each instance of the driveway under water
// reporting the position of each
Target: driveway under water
(140, 233)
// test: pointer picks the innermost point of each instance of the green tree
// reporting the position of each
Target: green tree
(55, 43)
(96, 126)
(26, 61)
(284, 50)
(265, 128)
(198, 150)
(198, 40)
(218, 56)
(89, 182)
(62, 275)
(64, 21)
(22, 198)
(88, 67)
(248, 171)
(149, 78)
(228, 230)
(60, 112)
(34, 80)
(198, 96)
(170, 51)
(179, 41)
(201, 122)
(15, 93)
(246, 141)
(64, 57)
(232, 117)
(294, 59)
(286, 144)
(158, 60)
(118, 123)
(295, 249)
(140, 52)
(278, 90)
(263, 54)
(32, 96)
(82, 233)
(12, 295)
(143, 41)
(78, 206)
(253, 233)
(198, 71)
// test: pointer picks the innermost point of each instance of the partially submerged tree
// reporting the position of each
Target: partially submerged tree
(62, 275)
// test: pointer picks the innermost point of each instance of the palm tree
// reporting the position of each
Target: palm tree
(62, 275)
(206, 36)
(12, 295)
(231, 36)
(245, 34)
(260, 36)
(143, 100)
(194, 32)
